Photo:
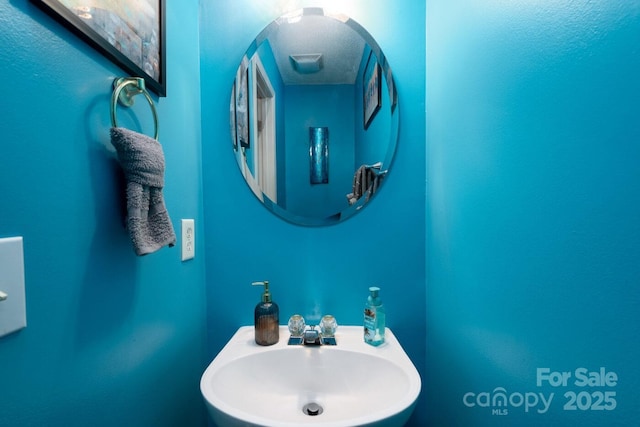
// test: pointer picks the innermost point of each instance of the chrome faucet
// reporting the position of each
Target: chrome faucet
(323, 334)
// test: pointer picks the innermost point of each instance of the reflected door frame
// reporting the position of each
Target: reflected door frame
(264, 124)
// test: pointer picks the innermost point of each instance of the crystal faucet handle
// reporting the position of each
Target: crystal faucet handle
(296, 325)
(328, 326)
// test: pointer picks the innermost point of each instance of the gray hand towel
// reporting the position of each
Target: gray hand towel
(148, 221)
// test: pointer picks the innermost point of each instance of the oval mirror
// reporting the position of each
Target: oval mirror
(314, 117)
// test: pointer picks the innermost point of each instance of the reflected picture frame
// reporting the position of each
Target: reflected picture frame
(136, 42)
(318, 155)
(391, 85)
(232, 117)
(372, 87)
(243, 134)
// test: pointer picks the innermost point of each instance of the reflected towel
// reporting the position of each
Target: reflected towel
(365, 183)
(142, 160)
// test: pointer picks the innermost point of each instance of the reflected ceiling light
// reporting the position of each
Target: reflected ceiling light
(292, 18)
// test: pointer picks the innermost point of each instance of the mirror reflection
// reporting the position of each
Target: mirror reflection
(314, 117)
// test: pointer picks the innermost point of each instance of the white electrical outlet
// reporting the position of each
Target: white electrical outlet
(188, 239)
(13, 312)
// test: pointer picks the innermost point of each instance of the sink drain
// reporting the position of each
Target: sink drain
(312, 409)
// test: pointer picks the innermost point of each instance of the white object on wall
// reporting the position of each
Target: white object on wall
(13, 312)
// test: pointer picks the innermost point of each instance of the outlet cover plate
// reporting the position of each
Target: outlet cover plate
(13, 312)
(188, 239)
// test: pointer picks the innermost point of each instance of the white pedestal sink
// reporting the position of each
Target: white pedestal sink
(352, 383)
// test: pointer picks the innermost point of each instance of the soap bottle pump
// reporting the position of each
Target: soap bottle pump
(374, 318)
(266, 317)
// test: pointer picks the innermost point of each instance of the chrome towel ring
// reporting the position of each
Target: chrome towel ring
(125, 88)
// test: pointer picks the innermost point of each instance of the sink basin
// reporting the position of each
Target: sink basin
(350, 384)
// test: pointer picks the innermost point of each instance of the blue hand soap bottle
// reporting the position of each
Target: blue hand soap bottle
(374, 318)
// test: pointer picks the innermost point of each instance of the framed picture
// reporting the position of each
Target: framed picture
(242, 104)
(232, 117)
(371, 89)
(393, 94)
(131, 33)
(319, 155)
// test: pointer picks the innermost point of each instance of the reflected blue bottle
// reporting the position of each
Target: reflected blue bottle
(374, 318)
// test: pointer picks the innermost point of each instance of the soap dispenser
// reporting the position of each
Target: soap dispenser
(266, 317)
(374, 318)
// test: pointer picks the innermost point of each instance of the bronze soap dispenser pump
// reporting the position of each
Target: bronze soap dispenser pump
(266, 318)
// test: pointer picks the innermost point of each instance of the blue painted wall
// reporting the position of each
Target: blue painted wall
(532, 219)
(534, 210)
(331, 106)
(112, 339)
(315, 270)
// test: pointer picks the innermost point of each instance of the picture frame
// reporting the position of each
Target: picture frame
(232, 117)
(372, 87)
(318, 155)
(133, 41)
(393, 93)
(243, 134)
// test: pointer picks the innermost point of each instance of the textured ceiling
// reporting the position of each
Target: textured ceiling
(340, 45)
